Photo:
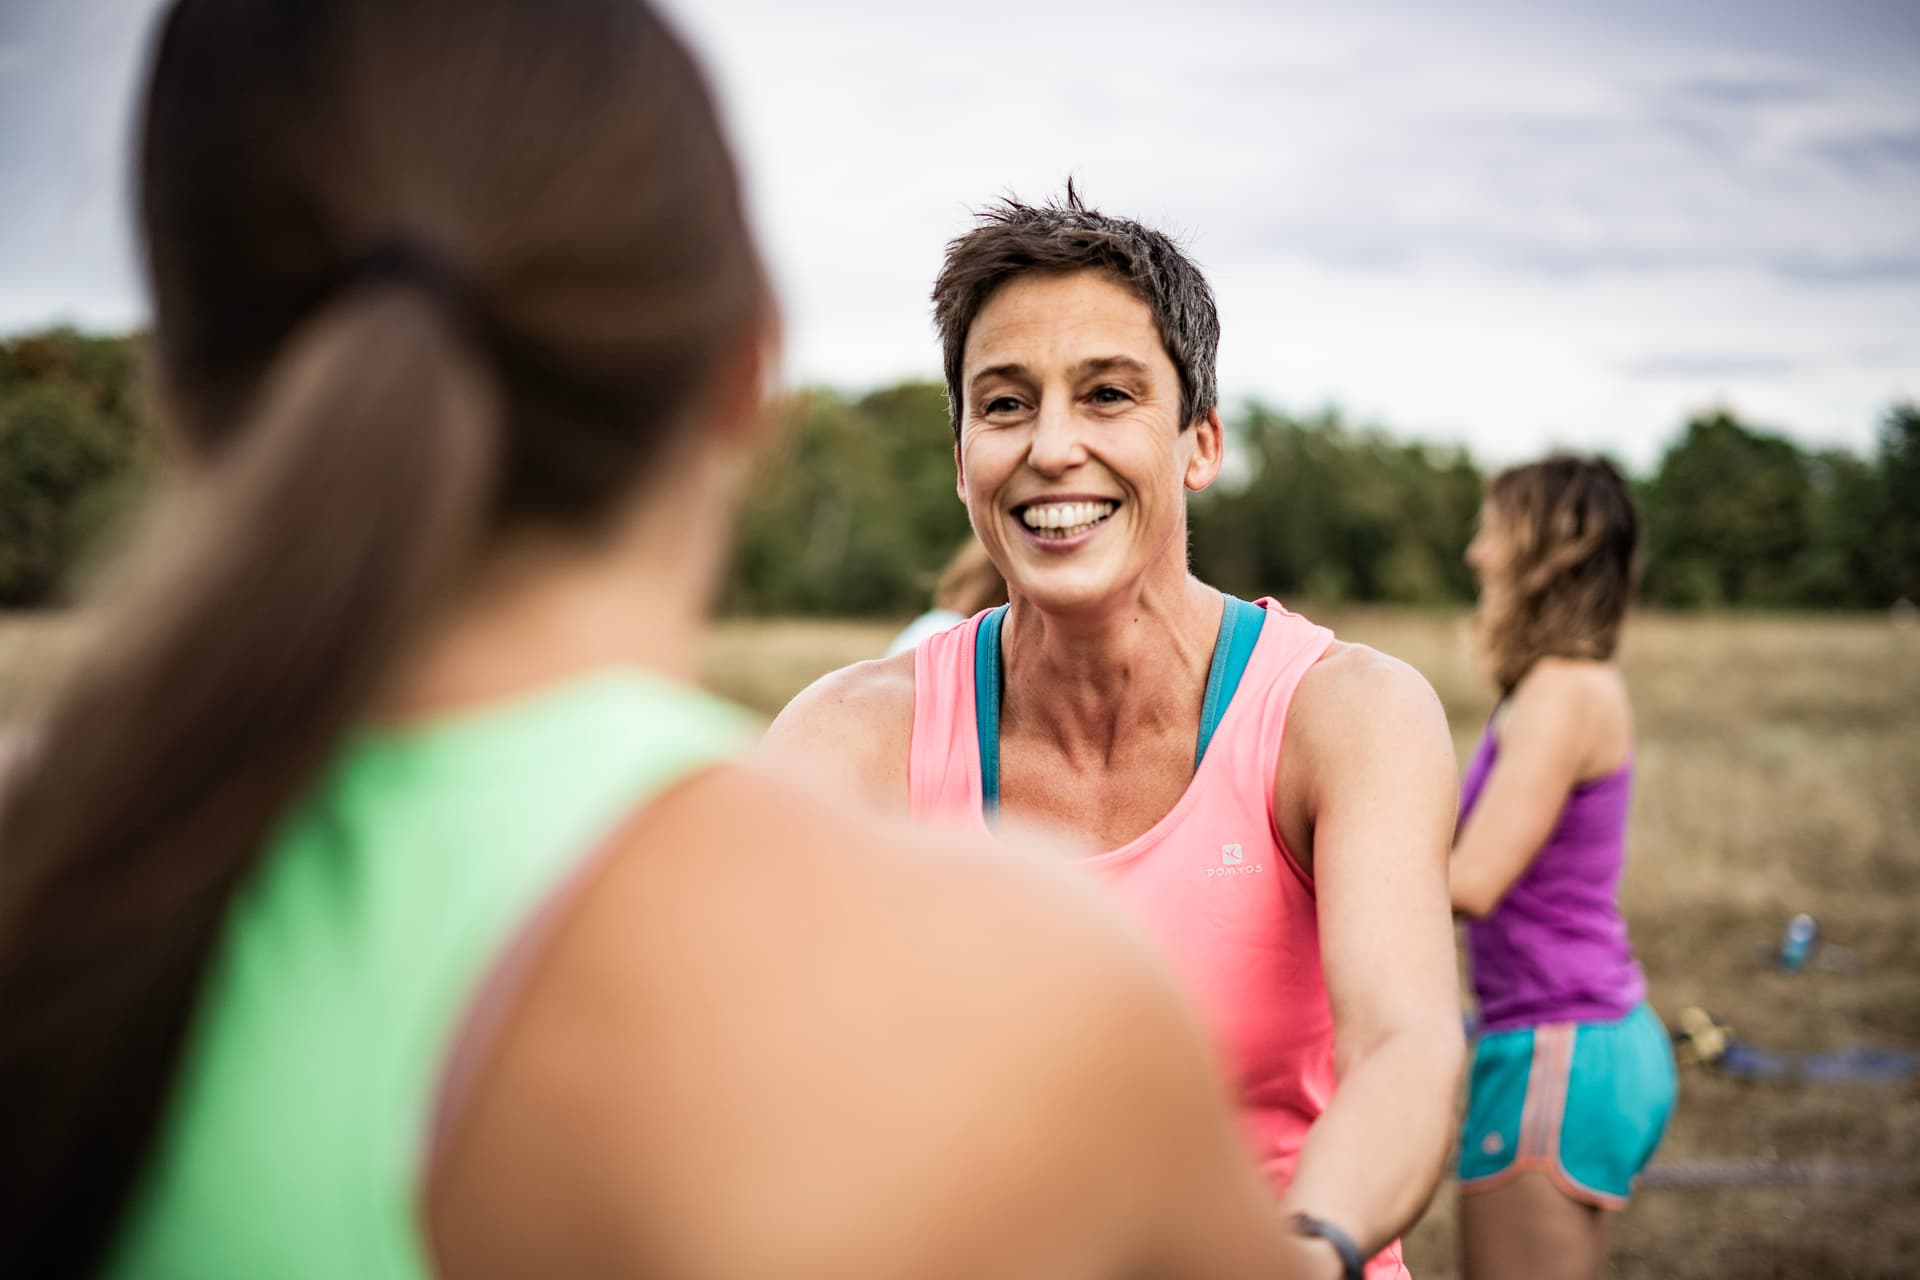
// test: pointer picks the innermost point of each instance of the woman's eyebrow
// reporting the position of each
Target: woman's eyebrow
(1110, 364)
(1015, 371)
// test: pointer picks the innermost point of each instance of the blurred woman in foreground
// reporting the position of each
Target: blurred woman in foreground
(1572, 1076)
(382, 902)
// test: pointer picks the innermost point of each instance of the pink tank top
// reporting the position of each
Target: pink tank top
(1211, 881)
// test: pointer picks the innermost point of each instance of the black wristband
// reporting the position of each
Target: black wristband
(1352, 1265)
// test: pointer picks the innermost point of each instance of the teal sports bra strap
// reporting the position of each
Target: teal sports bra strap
(986, 709)
(1240, 624)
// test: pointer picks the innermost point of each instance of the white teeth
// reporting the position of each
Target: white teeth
(1066, 517)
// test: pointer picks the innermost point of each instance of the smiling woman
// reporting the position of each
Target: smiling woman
(398, 950)
(1171, 733)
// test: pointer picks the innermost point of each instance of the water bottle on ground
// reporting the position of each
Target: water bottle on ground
(1797, 944)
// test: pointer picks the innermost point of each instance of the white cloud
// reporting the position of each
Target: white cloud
(1515, 225)
(1514, 233)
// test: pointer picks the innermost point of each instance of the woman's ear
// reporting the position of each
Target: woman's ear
(744, 410)
(1209, 449)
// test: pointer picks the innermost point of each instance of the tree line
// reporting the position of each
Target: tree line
(852, 510)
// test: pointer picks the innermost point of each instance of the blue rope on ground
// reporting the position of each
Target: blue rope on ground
(1700, 1039)
(1857, 1064)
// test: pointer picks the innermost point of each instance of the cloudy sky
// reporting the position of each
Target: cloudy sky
(1515, 225)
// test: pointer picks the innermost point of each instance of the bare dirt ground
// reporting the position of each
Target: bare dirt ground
(1779, 771)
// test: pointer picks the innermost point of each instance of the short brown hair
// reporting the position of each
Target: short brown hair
(1575, 559)
(1063, 236)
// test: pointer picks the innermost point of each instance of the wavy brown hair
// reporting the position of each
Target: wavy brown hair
(423, 275)
(1573, 560)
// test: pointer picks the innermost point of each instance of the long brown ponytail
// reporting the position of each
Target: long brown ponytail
(354, 441)
(285, 582)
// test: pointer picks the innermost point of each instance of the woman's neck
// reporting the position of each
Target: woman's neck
(543, 609)
(1087, 680)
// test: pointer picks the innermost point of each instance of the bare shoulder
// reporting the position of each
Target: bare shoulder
(765, 1038)
(1365, 731)
(1581, 685)
(1360, 694)
(851, 728)
(864, 693)
(1575, 707)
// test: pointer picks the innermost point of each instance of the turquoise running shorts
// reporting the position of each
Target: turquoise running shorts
(1585, 1103)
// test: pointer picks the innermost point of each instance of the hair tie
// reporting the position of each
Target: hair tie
(409, 260)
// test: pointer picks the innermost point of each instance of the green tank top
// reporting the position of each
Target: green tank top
(296, 1136)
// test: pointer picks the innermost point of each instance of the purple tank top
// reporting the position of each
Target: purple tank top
(1555, 949)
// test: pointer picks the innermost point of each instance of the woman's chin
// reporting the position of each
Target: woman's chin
(1067, 589)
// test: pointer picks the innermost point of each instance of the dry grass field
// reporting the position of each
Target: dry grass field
(1779, 771)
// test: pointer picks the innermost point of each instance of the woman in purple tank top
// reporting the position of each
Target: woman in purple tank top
(1572, 1074)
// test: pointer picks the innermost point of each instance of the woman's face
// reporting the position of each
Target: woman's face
(1072, 458)
(1491, 549)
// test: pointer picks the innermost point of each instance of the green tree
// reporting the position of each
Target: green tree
(1319, 509)
(853, 510)
(1898, 542)
(1841, 567)
(71, 455)
(1729, 517)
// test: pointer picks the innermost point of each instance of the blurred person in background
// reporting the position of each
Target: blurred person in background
(967, 585)
(382, 901)
(1573, 1078)
(1301, 892)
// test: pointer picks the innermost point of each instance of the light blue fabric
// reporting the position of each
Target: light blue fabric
(1240, 624)
(1613, 1106)
(986, 708)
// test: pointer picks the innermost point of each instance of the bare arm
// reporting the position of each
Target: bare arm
(811, 1067)
(849, 731)
(1543, 750)
(1204, 1212)
(1373, 771)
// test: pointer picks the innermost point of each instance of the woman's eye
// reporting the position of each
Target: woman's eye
(1002, 404)
(1109, 395)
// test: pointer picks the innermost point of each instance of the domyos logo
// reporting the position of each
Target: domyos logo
(1233, 862)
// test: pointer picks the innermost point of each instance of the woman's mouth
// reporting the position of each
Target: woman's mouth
(1058, 521)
